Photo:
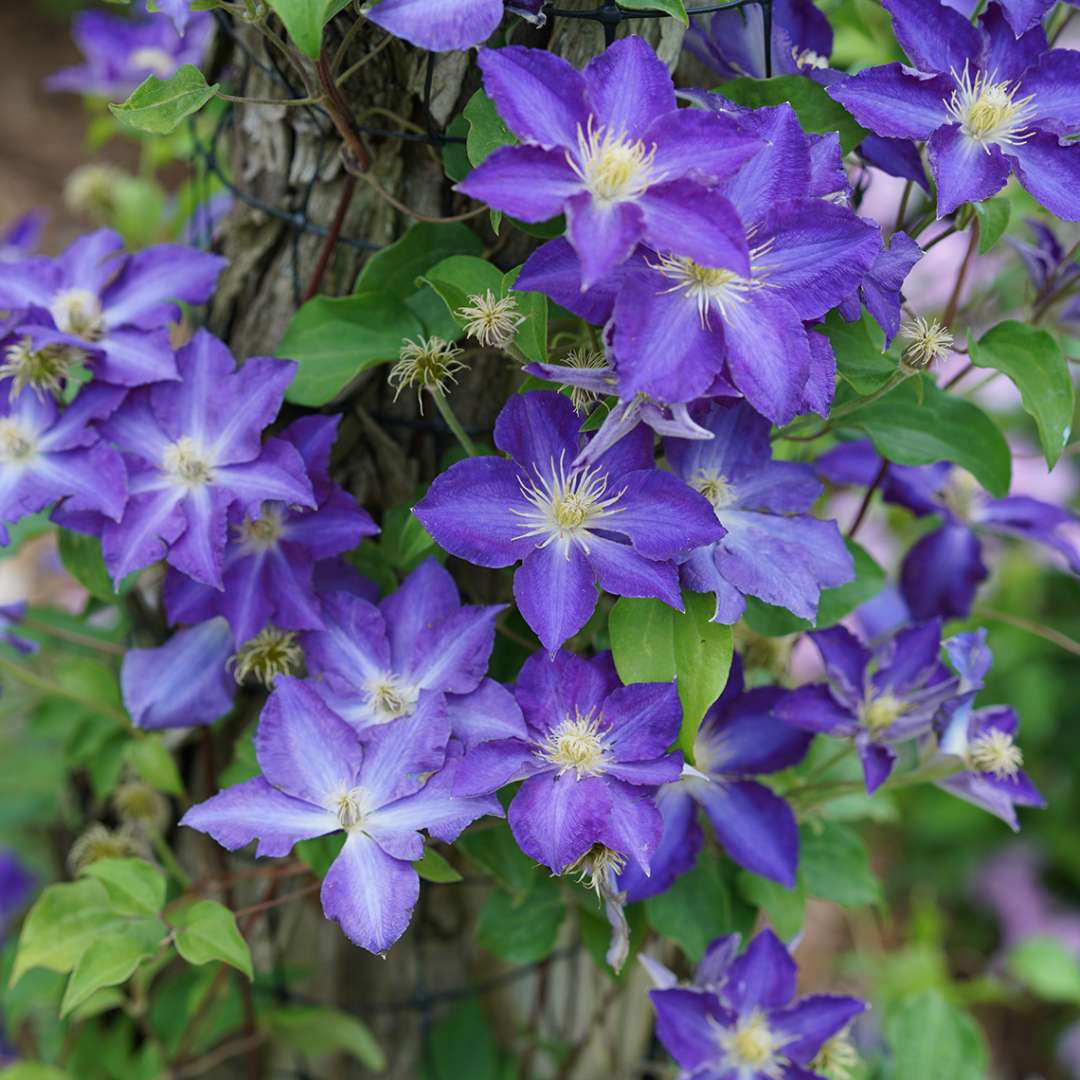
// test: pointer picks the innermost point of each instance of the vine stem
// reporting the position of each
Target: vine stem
(38, 682)
(864, 506)
(452, 422)
(62, 633)
(348, 189)
(949, 317)
(1055, 637)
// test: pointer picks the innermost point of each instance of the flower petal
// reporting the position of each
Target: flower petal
(892, 101)
(555, 593)
(628, 87)
(965, 171)
(556, 819)
(527, 182)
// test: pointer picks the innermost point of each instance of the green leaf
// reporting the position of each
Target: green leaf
(134, 885)
(434, 867)
(651, 642)
(1047, 969)
(785, 907)
(695, 910)
(62, 924)
(320, 852)
(933, 1040)
(940, 427)
(817, 111)
(207, 931)
(463, 1046)
(834, 866)
(315, 1032)
(1033, 360)
(522, 930)
(532, 335)
(335, 340)
(860, 361)
(642, 640)
(110, 960)
(993, 215)
(674, 8)
(81, 556)
(496, 852)
(150, 758)
(703, 652)
(487, 132)
(394, 270)
(32, 1070)
(158, 106)
(304, 20)
(404, 541)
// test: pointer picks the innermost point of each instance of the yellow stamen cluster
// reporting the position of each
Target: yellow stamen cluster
(92, 190)
(752, 1045)
(270, 653)
(350, 807)
(988, 111)
(491, 320)
(78, 312)
(261, 533)
(882, 712)
(996, 753)
(613, 167)
(598, 869)
(577, 743)
(15, 444)
(428, 364)
(930, 342)
(715, 488)
(390, 697)
(151, 58)
(186, 464)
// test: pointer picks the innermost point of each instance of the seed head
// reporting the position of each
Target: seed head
(428, 364)
(837, 1059)
(137, 803)
(930, 342)
(270, 653)
(491, 320)
(43, 370)
(100, 842)
(92, 190)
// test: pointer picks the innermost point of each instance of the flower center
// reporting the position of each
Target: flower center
(995, 752)
(78, 312)
(154, 59)
(715, 488)
(566, 505)
(613, 167)
(961, 493)
(262, 533)
(710, 286)
(753, 1046)
(577, 744)
(183, 462)
(390, 697)
(42, 369)
(882, 712)
(351, 808)
(807, 58)
(15, 444)
(988, 111)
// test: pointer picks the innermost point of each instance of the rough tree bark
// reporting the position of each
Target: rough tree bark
(289, 158)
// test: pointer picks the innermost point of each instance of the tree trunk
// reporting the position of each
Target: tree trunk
(288, 160)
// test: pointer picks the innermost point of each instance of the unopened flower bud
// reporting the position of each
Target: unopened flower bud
(270, 653)
(930, 341)
(428, 364)
(493, 321)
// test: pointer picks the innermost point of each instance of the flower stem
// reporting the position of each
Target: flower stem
(38, 682)
(452, 421)
(168, 859)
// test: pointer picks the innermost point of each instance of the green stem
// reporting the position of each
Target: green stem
(269, 100)
(38, 682)
(452, 421)
(168, 859)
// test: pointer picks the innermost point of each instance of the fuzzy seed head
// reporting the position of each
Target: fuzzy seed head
(42, 370)
(837, 1059)
(91, 189)
(428, 364)
(270, 653)
(491, 320)
(930, 342)
(100, 842)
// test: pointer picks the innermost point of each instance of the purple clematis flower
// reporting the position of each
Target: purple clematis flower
(49, 453)
(16, 885)
(116, 307)
(683, 329)
(444, 25)
(1049, 267)
(880, 708)
(1021, 15)
(608, 147)
(943, 570)
(183, 683)
(194, 453)
(318, 779)
(118, 54)
(10, 617)
(619, 521)
(21, 237)
(739, 738)
(591, 752)
(710, 973)
(751, 1029)
(269, 569)
(983, 740)
(403, 656)
(773, 547)
(988, 103)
